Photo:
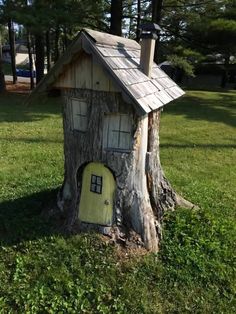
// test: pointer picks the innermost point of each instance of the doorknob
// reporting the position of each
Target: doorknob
(107, 202)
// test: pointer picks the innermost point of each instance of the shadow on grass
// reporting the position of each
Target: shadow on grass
(206, 107)
(31, 140)
(14, 109)
(23, 219)
(204, 146)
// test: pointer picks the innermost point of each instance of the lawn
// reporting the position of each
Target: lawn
(42, 271)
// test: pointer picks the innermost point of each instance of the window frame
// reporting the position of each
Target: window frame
(76, 115)
(94, 183)
(107, 131)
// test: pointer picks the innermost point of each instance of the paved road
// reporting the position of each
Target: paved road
(8, 78)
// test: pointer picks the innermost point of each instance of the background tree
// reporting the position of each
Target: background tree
(7, 10)
(2, 79)
(116, 17)
(191, 29)
(217, 34)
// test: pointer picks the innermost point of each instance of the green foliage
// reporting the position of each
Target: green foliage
(42, 271)
(182, 64)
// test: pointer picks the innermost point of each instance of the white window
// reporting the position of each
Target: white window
(79, 110)
(117, 132)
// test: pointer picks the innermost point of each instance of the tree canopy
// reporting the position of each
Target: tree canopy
(191, 29)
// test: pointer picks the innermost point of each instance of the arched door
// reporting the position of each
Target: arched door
(97, 195)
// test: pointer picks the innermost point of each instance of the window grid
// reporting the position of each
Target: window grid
(119, 132)
(80, 116)
(96, 184)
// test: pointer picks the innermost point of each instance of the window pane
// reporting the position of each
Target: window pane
(79, 114)
(82, 123)
(114, 122)
(125, 123)
(96, 184)
(117, 132)
(99, 189)
(83, 108)
(125, 140)
(93, 187)
(75, 106)
(113, 139)
(93, 179)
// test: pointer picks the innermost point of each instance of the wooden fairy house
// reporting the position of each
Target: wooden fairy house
(113, 93)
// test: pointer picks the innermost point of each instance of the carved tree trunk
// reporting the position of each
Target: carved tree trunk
(142, 191)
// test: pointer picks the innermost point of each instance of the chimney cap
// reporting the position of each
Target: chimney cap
(150, 27)
(150, 30)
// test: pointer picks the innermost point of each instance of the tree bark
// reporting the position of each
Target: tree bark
(39, 52)
(2, 79)
(157, 11)
(142, 190)
(116, 17)
(138, 30)
(225, 73)
(157, 6)
(56, 52)
(65, 38)
(48, 50)
(31, 68)
(11, 35)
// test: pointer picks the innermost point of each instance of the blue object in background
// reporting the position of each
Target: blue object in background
(24, 73)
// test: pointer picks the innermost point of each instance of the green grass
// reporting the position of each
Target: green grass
(44, 272)
(7, 68)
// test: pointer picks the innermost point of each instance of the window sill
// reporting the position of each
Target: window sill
(117, 150)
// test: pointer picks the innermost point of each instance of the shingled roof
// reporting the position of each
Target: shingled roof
(121, 58)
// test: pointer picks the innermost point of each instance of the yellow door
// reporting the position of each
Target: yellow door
(96, 201)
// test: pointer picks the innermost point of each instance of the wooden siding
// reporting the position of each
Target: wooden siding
(85, 74)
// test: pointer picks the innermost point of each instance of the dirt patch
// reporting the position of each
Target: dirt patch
(22, 88)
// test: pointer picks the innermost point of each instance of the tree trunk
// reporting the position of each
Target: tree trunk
(56, 52)
(48, 50)
(2, 79)
(11, 34)
(138, 30)
(65, 38)
(225, 73)
(156, 18)
(156, 11)
(142, 191)
(31, 68)
(116, 17)
(39, 52)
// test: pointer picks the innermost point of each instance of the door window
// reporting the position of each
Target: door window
(96, 184)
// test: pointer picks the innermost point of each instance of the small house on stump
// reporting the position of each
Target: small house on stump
(113, 93)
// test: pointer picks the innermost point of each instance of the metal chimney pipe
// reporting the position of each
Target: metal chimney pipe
(149, 34)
